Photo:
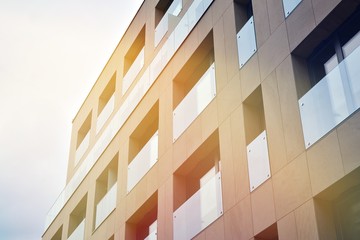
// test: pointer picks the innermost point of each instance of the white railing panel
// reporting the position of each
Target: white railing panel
(106, 205)
(80, 151)
(153, 232)
(199, 211)
(331, 100)
(143, 162)
(194, 102)
(79, 232)
(246, 42)
(118, 120)
(258, 161)
(133, 71)
(105, 113)
(289, 6)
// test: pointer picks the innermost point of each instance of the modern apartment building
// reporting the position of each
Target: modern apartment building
(221, 119)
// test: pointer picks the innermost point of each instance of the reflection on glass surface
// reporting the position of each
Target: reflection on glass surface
(289, 6)
(133, 71)
(331, 100)
(246, 42)
(258, 161)
(82, 148)
(152, 232)
(105, 113)
(143, 162)
(120, 117)
(199, 211)
(106, 205)
(78, 233)
(194, 102)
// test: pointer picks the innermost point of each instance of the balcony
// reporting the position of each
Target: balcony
(143, 162)
(133, 71)
(258, 161)
(246, 42)
(163, 26)
(79, 232)
(152, 232)
(331, 100)
(80, 151)
(200, 210)
(106, 205)
(194, 102)
(105, 113)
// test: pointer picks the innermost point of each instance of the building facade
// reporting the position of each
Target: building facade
(221, 119)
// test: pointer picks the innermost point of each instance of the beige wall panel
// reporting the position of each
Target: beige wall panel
(306, 221)
(274, 51)
(120, 212)
(179, 151)
(200, 236)
(238, 221)
(161, 217)
(263, 208)
(218, 8)
(274, 128)
(349, 139)
(241, 175)
(261, 19)
(216, 230)
(291, 186)
(300, 23)
(165, 167)
(165, 120)
(204, 26)
(209, 120)
(229, 98)
(227, 166)
(276, 14)
(169, 194)
(293, 134)
(287, 227)
(325, 165)
(232, 64)
(322, 8)
(192, 133)
(250, 76)
(220, 56)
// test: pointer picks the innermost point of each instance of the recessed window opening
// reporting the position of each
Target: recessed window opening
(106, 94)
(160, 10)
(58, 234)
(77, 220)
(243, 12)
(134, 50)
(270, 233)
(84, 130)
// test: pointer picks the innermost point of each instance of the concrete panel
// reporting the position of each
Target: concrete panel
(216, 230)
(287, 227)
(250, 76)
(306, 221)
(261, 19)
(276, 14)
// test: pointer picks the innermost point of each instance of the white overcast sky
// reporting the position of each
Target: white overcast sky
(51, 53)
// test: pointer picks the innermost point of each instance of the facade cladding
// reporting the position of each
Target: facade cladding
(221, 119)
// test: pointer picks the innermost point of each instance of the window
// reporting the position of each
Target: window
(134, 60)
(197, 190)
(334, 50)
(194, 87)
(83, 139)
(347, 213)
(332, 91)
(106, 103)
(143, 223)
(76, 229)
(106, 192)
(245, 28)
(58, 234)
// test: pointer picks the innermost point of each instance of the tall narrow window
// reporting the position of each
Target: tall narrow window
(83, 139)
(134, 61)
(76, 229)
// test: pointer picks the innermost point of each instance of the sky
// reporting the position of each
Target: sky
(51, 53)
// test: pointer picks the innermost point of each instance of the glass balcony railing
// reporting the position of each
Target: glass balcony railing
(80, 151)
(163, 26)
(153, 232)
(79, 232)
(143, 162)
(194, 102)
(246, 42)
(258, 161)
(106, 205)
(105, 113)
(133, 71)
(289, 6)
(331, 100)
(137, 93)
(199, 211)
